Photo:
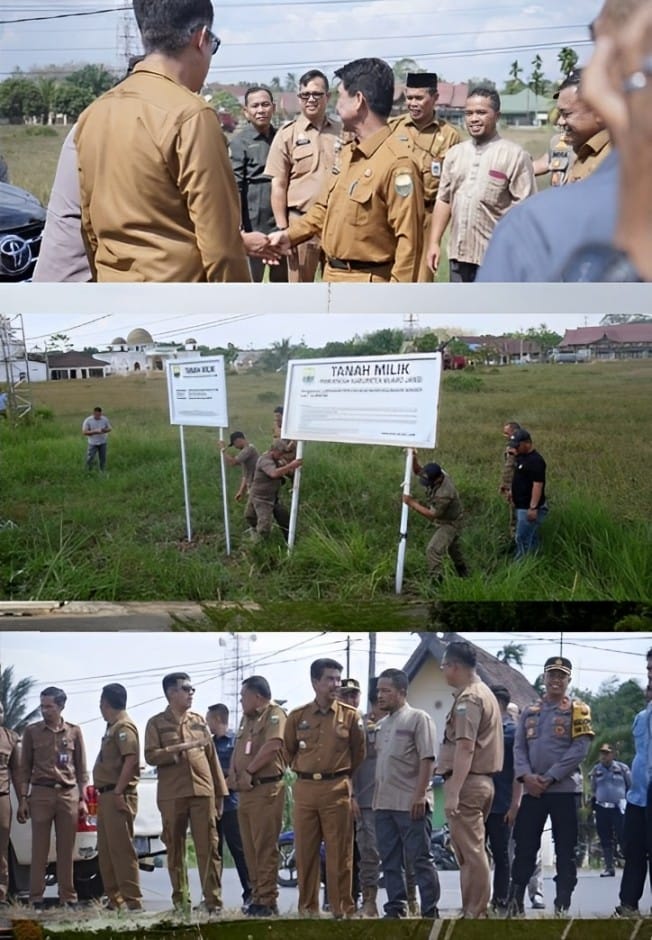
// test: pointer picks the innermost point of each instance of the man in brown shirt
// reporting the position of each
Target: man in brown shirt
(430, 139)
(472, 750)
(257, 770)
(325, 743)
(246, 459)
(300, 159)
(9, 774)
(482, 179)
(159, 201)
(583, 128)
(263, 504)
(191, 789)
(115, 778)
(370, 213)
(53, 769)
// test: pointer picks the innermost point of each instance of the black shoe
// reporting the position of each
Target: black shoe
(266, 910)
(608, 873)
(561, 910)
(37, 905)
(462, 571)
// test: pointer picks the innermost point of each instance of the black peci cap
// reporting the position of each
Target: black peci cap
(421, 80)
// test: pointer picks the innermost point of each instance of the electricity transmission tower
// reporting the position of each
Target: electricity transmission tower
(14, 367)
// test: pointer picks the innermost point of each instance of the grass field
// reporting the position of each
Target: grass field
(32, 152)
(122, 537)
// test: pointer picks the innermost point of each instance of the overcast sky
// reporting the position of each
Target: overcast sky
(82, 663)
(458, 39)
(256, 315)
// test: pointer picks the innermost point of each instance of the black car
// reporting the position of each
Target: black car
(22, 218)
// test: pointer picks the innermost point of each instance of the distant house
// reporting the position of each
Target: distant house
(429, 689)
(75, 365)
(625, 341)
(525, 108)
(504, 350)
(247, 359)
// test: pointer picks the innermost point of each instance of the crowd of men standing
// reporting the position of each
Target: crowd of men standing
(366, 196)
(362, 788)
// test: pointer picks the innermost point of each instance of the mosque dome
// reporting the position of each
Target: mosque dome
(139, 337)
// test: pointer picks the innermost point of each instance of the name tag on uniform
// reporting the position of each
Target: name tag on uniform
(300, 141)
(435, 168)
(248, 747)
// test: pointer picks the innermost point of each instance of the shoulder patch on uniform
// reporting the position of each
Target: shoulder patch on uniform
(274, 719)
(581, 719)
(403, 183)
(122, 735)
(461, 708)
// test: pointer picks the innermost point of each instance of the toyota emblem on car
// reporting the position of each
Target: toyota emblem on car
(15, 254)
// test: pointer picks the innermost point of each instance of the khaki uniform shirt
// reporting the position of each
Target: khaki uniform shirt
(480, 183)
(590, 156)
(262, 485)
(405, 738)
(195, 772)
(120, 740)
(9, 761)
(159, 201)
(254, 731)
(57, 756)
(445, 502)
(247, 458)
(301, 157)
(372, 210)
(430, 145)
(475, 716)
(325, 742)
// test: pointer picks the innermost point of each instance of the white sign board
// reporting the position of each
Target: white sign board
(366, 400)
(197, 392)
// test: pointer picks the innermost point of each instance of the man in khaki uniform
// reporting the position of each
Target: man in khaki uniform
(300, 158)
(430, 139)
(191, 789)
(257, 769)
(405, 747)
(53, 767)
(445, 511)
(472, 750)
(583, 128)
(370, 213)
(325, 743)
(246, 459)
(263, 504)
(9, 774)
(115, 778)
(159, 201)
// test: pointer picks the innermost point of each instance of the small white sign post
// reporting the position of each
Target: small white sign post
(197, 398)
(390, 400)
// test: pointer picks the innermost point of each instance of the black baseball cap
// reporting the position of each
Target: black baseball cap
(234, 437)
(429, 473)
(518, 437)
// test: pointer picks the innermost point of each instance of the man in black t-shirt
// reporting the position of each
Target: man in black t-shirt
(528, 491)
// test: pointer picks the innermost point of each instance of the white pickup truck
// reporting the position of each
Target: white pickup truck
(88, 882)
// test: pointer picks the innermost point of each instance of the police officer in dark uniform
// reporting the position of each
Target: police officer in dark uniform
(552, 739)
(610, 781)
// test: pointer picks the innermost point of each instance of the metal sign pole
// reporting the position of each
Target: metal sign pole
(294, 506)
(184, 473)
(225, 501)
(402, 541)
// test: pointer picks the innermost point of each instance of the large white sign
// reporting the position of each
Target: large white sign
(367, 400)
(197, 392)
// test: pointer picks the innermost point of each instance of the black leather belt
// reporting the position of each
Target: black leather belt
(341, 265)
(333, 776)
(112, 786)
(53, 785)
(275, 779)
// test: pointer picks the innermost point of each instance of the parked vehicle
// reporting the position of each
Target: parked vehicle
(87, 878)
(22, 218)
(442, 850)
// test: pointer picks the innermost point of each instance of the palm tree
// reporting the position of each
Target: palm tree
(290, 82)
(13, 696)
(567, 60)
(512, 653)
(515, 71)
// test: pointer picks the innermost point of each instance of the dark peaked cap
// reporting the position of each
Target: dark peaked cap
(421, 80)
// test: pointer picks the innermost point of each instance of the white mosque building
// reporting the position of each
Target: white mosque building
(140, 353)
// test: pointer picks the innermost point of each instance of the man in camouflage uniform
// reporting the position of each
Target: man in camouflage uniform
(505, 488)
(263, 504)
(430, 140)
(552, 739)
(445, 511)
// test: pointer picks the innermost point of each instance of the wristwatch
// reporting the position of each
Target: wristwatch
(600, 262)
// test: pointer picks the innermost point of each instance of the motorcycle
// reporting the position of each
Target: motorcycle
(287, 866)
(442, 850)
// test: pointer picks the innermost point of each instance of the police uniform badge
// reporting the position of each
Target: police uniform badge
(122, 736)
(581, 719)
(403, 184)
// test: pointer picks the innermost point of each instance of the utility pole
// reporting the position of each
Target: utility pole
(372, 659)
(348, 655)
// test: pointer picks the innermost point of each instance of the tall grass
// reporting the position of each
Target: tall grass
(122, 536)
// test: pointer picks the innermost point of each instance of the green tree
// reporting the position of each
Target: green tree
(291, 82)
(277, 356)
(477, 82)
(613, 707)
(402, 67)
(568, 59)
(59, 342)
(545, 337)
(14, 695)
(96, 78)
(275, 84)
(19, 99)
(47, 88)
(536, 81)
(427, 342)
(512, 653)
(224, 101)
(71, 100)
(514, 83)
